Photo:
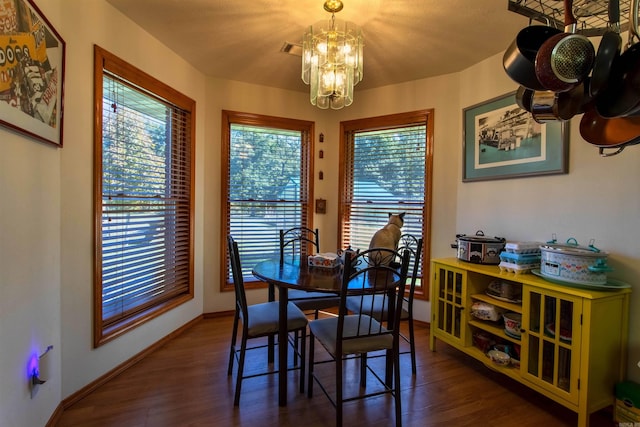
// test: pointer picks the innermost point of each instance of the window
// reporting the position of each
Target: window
(387, 169)
(266, 178)
(143, 184)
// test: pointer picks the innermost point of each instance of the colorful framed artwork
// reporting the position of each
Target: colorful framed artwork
(32, 56)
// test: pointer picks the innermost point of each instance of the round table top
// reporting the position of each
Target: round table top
(296, 275)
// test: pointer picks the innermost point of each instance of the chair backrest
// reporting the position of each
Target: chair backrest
(414, 246)
(370, 272)
(238, 281)
(296, 241)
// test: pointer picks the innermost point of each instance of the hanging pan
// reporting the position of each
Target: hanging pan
(549, 106)
(519, 58)
(615, 133)
(622, 94)
(523, 98)
(608, 51)
(564, 60)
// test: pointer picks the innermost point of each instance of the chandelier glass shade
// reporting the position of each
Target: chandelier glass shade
(332, 60)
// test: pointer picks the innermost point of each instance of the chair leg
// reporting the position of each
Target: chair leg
(412, 345)
(303, 356)
(296, 337)
(243, 350)
(310, 367)
(363, 370)
(339, 361)
(232, 352)
(396, 386)
(270, 349)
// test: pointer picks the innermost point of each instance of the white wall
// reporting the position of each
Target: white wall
(29, 276)
(46, 215)
(86, 23)
(29, 272)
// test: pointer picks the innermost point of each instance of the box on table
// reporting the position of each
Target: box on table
(324, 260)
(627, 407)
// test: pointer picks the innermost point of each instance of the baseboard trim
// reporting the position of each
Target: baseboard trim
(86, 390)
(218, 314)
(422, 323)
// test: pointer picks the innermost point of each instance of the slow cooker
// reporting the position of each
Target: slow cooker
(479, 249)
(570, 262)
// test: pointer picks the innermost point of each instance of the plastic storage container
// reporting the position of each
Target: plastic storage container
(522, 247)
(518, 262)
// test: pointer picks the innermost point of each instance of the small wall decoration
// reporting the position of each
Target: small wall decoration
(502, 140)
(32, 57)
(321, 206)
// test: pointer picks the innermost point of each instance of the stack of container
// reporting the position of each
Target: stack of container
(520, 257)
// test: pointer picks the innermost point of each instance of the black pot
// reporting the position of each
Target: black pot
(479, 249)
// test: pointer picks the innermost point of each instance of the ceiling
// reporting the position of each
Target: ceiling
(404, 39)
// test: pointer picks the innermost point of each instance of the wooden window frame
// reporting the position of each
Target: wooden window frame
(307, 128)
(184, 106)
(347, 128)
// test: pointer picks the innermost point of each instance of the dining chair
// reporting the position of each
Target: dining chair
(259, 320)
(357, 333)
(296, 244)
(375, 306)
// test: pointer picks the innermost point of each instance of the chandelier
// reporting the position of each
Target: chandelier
(332, 60)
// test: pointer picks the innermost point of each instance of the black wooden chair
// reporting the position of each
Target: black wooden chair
(374, 304)
(296, 244)
(358, 333)
(259, 320)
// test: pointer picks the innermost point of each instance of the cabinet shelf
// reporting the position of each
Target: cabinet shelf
(517, 308)
(493, 329)
(508, 370)
(567, 370)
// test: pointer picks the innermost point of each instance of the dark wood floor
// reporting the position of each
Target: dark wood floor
(185, 383)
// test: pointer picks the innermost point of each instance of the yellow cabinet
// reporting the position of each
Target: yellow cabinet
(550, 343)
(448, 296)
(572, 344)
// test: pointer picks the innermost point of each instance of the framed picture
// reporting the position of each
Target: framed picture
(502, 140)
(31, 72)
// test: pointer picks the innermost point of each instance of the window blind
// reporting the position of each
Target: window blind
(268, 189)
(385, 173)
(145, 230)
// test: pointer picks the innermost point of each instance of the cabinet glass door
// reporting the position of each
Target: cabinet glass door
(553, 326)
(449, 291)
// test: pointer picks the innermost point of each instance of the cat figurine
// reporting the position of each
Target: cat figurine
(389, 235)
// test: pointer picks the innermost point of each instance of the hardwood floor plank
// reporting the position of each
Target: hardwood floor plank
(185, 383)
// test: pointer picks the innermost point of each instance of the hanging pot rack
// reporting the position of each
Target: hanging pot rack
(550, 12)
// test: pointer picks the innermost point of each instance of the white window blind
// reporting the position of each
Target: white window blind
(268, 189)
(385, 172)
(387, 176)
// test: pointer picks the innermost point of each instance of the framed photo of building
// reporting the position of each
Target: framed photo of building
(502, 140)
(32, 56)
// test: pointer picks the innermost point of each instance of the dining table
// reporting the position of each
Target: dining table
(294, 274)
